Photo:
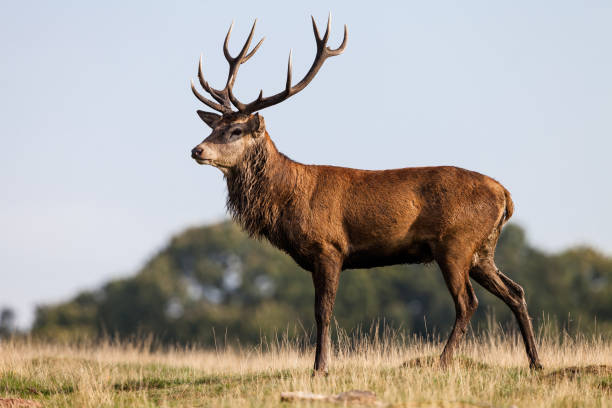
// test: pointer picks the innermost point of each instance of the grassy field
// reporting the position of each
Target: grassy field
(489, 370)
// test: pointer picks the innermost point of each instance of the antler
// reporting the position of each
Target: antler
(225, 96)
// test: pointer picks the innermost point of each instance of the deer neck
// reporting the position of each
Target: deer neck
(260, 187)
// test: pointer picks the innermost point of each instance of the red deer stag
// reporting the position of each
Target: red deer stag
(331, 218)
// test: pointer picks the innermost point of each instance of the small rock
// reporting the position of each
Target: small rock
(356, 397)
(302, 395)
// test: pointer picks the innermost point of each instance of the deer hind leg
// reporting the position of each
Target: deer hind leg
(485, 272)
(457, 280)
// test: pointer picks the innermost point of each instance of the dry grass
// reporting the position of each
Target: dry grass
(490, 370)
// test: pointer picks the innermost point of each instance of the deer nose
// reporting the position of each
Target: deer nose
(196, 152)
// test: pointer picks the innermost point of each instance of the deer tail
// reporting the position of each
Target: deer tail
(509, 206)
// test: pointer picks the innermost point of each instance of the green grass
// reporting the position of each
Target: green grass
(25, 386)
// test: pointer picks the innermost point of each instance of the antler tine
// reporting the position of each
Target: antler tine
(226, 43)
(327, 29)
(247, 44)
(316, 30)
(289, 69)
(250, 54)
(208, 102)
(234, 63)
(213, 92)
(340, 49)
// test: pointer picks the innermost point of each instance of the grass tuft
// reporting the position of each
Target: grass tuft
(19, 385)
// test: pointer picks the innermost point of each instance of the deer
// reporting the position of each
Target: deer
(329, 219)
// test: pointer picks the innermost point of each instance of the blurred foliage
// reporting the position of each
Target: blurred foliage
(7, 322)
(214, 284)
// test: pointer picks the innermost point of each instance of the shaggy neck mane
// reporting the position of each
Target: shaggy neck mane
(259, 187)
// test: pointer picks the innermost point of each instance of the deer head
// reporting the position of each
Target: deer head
(235, 131)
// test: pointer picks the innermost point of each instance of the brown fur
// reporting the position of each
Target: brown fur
(331, 218)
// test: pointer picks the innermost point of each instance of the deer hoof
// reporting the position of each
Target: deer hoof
(320, 373)
(535, 366)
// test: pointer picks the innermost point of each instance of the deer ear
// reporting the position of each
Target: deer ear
(209, 118)
(258, 126)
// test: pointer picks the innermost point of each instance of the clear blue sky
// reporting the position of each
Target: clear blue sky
(97, 118)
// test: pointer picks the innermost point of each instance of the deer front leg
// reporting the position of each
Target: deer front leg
(457, 279)
(325, 279)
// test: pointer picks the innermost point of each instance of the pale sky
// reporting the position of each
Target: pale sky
(97, 119)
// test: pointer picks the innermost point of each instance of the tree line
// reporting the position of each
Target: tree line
(214, 282)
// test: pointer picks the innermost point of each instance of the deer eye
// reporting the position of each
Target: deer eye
(236, 132)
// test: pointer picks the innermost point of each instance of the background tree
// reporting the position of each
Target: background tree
(7, 322)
